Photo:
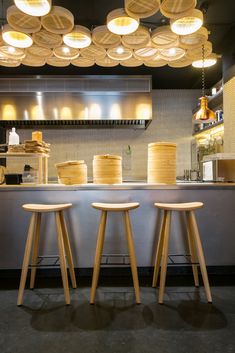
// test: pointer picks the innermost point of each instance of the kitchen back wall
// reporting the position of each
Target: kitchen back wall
(172, 121)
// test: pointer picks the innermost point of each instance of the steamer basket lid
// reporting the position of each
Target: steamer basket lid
(107, 156)
(67, 163)
(155, 144)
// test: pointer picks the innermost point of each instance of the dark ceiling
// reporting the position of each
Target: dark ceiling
(219, 20)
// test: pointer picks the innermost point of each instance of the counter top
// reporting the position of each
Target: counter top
(123, 186)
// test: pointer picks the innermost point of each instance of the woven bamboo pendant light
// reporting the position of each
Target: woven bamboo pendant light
(47, 39)
(119, 53)
(183, 62)
(120, 23)
(83, 62)
(209, 61)
(188, 23)
(163, 37)
(34, 8)
(66, 53)
(172, 54)
(145, 53)
(11, 52)
(21, 21)
(139, 39)
(9, 62)
(102, 37)
(195, 39)
(36, 50)
(79, 37)
(59, 20)
(132, 62)
(54, 61)
(141, 8)
(15, 38)
(155, 61)
(196, 52)
(93, 52)
(107, 62)
(173, 8)
(32, 60)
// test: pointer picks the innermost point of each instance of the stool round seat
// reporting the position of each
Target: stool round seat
(187, 206)
(115, 206)
(46, 208)
(31, 254)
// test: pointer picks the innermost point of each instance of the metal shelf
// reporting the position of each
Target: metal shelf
(208, 128)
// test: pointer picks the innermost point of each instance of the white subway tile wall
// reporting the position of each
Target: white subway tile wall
(172, 121)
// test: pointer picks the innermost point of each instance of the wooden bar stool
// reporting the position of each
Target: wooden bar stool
(114, 207)
(195, 246)
(32, 244)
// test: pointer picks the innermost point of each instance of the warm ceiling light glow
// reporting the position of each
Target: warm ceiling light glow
(172, 53)
(209, 61)
(119, 22)
(120, 50)
(79, 37)
(15, 38)
(34, 7)
(11, 50)
(65, 50)
(188, 23)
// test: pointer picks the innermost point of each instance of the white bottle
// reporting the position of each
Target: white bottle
(13, 137)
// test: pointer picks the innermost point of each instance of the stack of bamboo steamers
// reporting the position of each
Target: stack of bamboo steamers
(107, 169)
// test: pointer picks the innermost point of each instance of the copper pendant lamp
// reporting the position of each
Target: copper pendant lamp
(204, 114)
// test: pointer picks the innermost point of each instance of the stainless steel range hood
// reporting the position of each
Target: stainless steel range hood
(82, 101)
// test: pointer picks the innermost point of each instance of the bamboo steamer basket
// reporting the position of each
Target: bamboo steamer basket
(141, 8)
(83, 62)
(132, 62)
(93, 52)
(33, 60)
(195, 39)
(72, 172)
(196, 53)
(138, 39)
(102, 37)
(162, 162)
(163, 37)
(42, 52)
(54, 61)
(125, 55)
(107, 62)
(174, 8)
(59, 20)
(21, 21)
(107, 169)
(47, 39)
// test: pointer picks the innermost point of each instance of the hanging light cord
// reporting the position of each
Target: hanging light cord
(203, 71)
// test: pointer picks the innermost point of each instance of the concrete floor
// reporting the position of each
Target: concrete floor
(184, 324)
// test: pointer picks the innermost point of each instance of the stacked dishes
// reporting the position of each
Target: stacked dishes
(72, 172)
(162, 162)
(107, 169)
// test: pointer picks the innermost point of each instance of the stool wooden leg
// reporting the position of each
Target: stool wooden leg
(98, 254)
(200, 255)
(26, 260)
(192, 250)
(164, 257)
(68, 249)
(132, 256)
(35, 250)
(159, 251)
(62, 258)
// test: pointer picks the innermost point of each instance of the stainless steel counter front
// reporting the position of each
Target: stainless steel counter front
(216, 220)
